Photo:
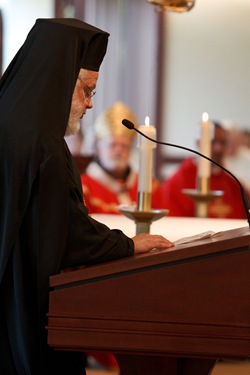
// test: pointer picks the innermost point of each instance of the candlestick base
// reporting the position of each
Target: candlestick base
(142, 219)
(202, 199)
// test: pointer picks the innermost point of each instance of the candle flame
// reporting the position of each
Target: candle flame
(205, 116)
(147, 122)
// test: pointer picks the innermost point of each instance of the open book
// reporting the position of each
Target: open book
(196, 237)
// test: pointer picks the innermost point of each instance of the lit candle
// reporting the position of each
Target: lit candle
(146, 157)
(206, 135)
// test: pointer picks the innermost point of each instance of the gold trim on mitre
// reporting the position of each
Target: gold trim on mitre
(109, 122)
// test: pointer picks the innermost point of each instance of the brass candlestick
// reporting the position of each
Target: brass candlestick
(202, 196)
(142, 214)
(144, 200)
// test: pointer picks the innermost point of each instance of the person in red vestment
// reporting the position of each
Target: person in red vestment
(229, 205)
(109, 180)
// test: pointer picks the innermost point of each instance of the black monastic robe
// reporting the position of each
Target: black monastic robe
(44, 224)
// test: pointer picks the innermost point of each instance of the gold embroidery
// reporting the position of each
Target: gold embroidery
(219, 208)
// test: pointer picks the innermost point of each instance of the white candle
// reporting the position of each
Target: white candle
(206, 135)
(146, 157)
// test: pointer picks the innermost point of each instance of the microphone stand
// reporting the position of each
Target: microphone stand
(202, 196)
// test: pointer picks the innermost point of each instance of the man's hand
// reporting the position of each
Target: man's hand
(145, 242)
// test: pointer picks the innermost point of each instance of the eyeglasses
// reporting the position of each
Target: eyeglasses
(88, 93)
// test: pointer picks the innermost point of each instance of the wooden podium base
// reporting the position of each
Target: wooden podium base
(161, 312)
(160, 365)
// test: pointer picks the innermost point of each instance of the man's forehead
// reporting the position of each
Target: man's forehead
(117, 139)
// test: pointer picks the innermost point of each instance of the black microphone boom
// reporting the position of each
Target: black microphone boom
(131, 126)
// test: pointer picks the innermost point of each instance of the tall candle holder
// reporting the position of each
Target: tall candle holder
(202, 196)
(142, 214)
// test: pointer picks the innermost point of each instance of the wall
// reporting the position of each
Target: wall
(207, 68)
(18, 18)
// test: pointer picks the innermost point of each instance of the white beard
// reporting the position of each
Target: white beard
(73, 127)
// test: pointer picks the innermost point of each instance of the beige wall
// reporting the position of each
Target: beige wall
(207, 68)
(18, 18)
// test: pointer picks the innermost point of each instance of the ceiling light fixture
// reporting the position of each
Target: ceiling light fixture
(173, 5)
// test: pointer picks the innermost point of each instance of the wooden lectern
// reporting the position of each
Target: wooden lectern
(192, 301)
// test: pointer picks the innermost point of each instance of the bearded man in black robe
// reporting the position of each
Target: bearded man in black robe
(44, 224)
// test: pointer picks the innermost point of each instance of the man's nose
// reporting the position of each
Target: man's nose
(89, 102)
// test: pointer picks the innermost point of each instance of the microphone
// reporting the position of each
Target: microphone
(245, 201)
